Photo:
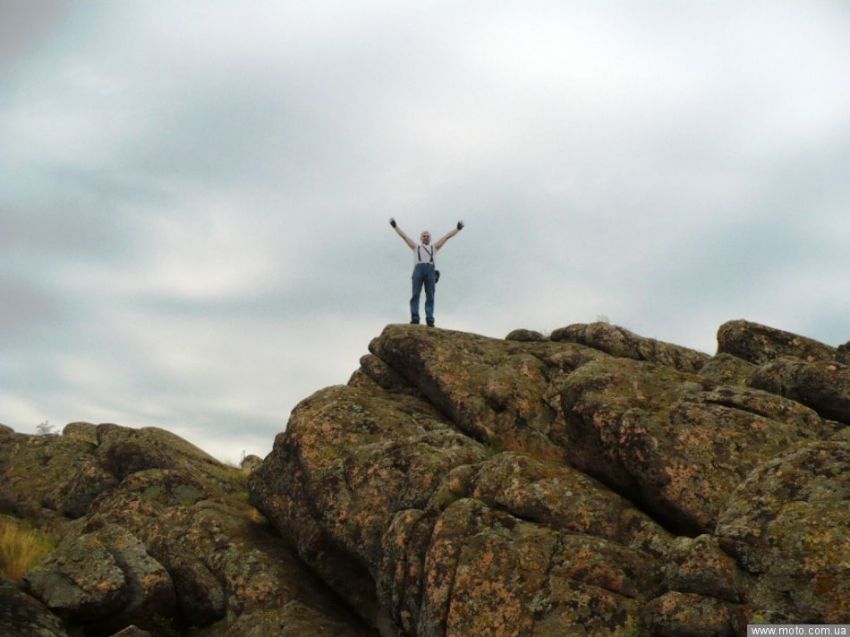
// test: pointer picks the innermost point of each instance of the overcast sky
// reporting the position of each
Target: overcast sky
(194, 195)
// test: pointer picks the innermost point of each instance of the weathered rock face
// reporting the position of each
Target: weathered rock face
(761, 344)
(673, 441)
(625, 344)
(594, 483)
(249, 463)
(105, 579)
(39, 475)
(788, 523)
(23, 615)
(155, 534)
(823, 385)
(56, 477)
(726, 369)
(799, 368)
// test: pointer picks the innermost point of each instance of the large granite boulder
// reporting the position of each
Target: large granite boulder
(217, 550)
(822, 385)
(620, 342)
(760, 344)
(461, 485)
(104, 579)
(169, 549)
(788, 524)
(123, 451)
(672, 441)
(37, 473)
(21, 615)
(51, 478)
(453, 536)
(85, 431)
(595, 483)
(726, 369)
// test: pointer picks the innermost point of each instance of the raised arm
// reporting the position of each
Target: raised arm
(442, 241)
(398, 231)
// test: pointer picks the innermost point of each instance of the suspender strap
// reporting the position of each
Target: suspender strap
(419, 254)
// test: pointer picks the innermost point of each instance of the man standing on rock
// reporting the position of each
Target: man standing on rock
(424, 270)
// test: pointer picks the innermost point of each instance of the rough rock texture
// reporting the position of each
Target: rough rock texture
(525, 335)
(805, 370)
(789, 523)
(437, 518)
(761, 344)
(673, 441)
(618, 341)
(249, 463)
(85, 431)
(460, 485)
(822, 385)
(38, 473)
(81, 579)
(220, 555)
(157, 534)
(60, 476)
(677, 614)
(698, 565)
(104, 578)
(726, 369)
(24, 616)
(123, 451)
(596, 483)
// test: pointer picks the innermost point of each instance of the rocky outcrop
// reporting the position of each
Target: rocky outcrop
(594, 483)
(761, 344)
(823, 385)
(805, 370)
(217, 550)
(56, 477)
(40, 474)
(105, 579)
(672, 441)
(788, 523)
(249, 463)
(525, 335)
(85, 431)
(156, 534)
(620, 342)
(22, 615)
(726, 369)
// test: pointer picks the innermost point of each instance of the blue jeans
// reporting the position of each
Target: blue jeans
(423, 273)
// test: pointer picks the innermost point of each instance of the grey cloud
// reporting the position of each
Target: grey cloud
(26, 24)
(646, 162)
(25, 307)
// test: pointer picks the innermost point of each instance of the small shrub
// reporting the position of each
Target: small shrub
(21, 547)
(46, 429)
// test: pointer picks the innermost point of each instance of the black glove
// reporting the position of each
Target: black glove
(392, 222)
(460, 225)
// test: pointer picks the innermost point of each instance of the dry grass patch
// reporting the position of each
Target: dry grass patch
(21, 547)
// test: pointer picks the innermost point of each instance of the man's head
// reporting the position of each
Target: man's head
(425, 237)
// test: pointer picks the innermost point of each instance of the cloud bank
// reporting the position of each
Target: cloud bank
(194, 197)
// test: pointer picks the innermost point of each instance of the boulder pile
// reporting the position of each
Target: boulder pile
(590, 482)
(594, 482)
